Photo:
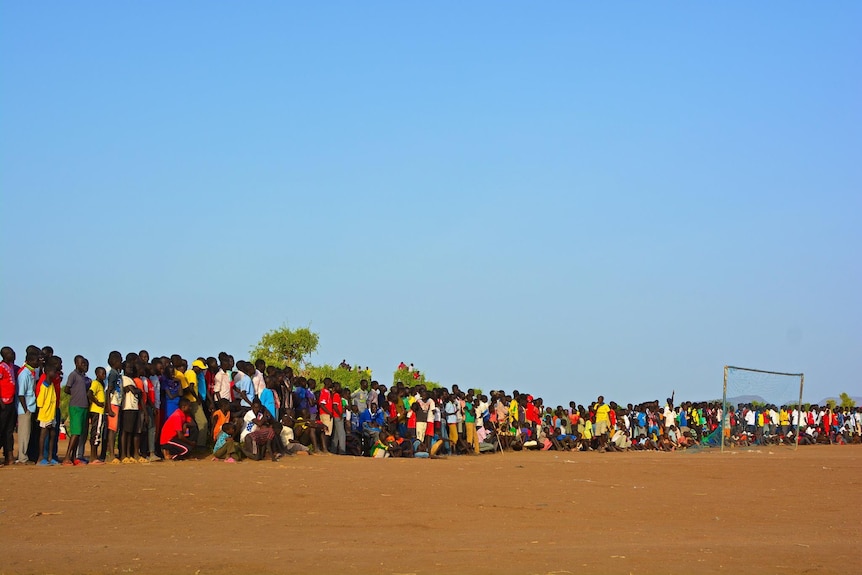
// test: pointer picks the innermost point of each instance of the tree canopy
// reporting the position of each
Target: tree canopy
(284, 347)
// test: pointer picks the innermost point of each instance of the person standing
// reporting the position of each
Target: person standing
(603, 421)
(339, 441)
(324, 404)
(470, 424)
(27, 447)
(77, 386)
(8, 405)
(197, 382)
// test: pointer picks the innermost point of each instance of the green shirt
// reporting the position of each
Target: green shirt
(469, 416)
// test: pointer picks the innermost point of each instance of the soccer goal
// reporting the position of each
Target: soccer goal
(758, 407)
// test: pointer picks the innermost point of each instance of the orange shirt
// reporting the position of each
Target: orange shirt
(220, 419)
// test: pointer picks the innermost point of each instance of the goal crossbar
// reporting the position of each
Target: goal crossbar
(762, 371)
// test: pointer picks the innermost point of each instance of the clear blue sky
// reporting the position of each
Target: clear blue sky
(565, 197)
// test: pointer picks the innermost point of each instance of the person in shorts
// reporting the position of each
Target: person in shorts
(96, 397)
(131, 413)
(46, 403)
(603, 421)
(77, 387)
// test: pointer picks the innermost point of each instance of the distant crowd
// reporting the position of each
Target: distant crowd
(140, 409)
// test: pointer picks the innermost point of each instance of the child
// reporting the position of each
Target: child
(96, 397)
(224, 447)
(46, 402)
(220, 417)
(114, 392)
(78, 387)
(133, 402)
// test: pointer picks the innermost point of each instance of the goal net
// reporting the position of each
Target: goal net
(760, 407)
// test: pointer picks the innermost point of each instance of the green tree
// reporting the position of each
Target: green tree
(283, 347)
(831, 403)
(846, 400)
(348, 378)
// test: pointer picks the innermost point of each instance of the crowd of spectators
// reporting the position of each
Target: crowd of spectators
(141, 409)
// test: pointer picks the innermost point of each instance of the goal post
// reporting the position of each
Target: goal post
(769, 393)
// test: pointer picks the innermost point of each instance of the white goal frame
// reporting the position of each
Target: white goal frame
(724, 404)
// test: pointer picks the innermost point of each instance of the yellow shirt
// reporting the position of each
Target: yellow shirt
(784, 417)
(602, 412)
(184, 383)
(99, 393)
(46, 401)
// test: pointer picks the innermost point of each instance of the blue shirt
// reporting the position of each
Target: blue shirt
(245, 384)
(267, 400)
(27, 389)
(374, 420)
(220, 441)
(202, 385)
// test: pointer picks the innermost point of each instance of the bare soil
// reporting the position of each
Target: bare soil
(769, 510)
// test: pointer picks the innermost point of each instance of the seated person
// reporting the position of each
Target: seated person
(225, 447)
(371, 421)
(398, 446)
(307, 431)
(288, 441)
(620, 440)
(257, 437)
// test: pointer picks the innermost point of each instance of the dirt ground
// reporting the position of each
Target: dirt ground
(769, 510)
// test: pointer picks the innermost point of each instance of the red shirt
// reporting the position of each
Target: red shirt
(7, 383)
(173, 425)
(337, 408)
(325, 400)
(209, 377)
(532, 413)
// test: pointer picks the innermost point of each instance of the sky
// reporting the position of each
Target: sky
(571, 199)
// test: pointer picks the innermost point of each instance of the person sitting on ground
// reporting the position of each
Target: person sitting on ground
(307, 431)
(290, 444)
(371, 422)
(225, 447)
(257, 435)
(400, 447)
(620, 440)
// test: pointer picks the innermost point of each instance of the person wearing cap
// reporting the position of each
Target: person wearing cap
(196, 379)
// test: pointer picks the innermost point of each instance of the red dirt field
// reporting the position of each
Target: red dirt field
(768, 510)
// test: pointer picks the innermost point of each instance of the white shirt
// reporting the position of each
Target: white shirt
(481, 408)
(221, 385)
(668, 416)
(249, 426)
(130, 400)
(259, 383)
